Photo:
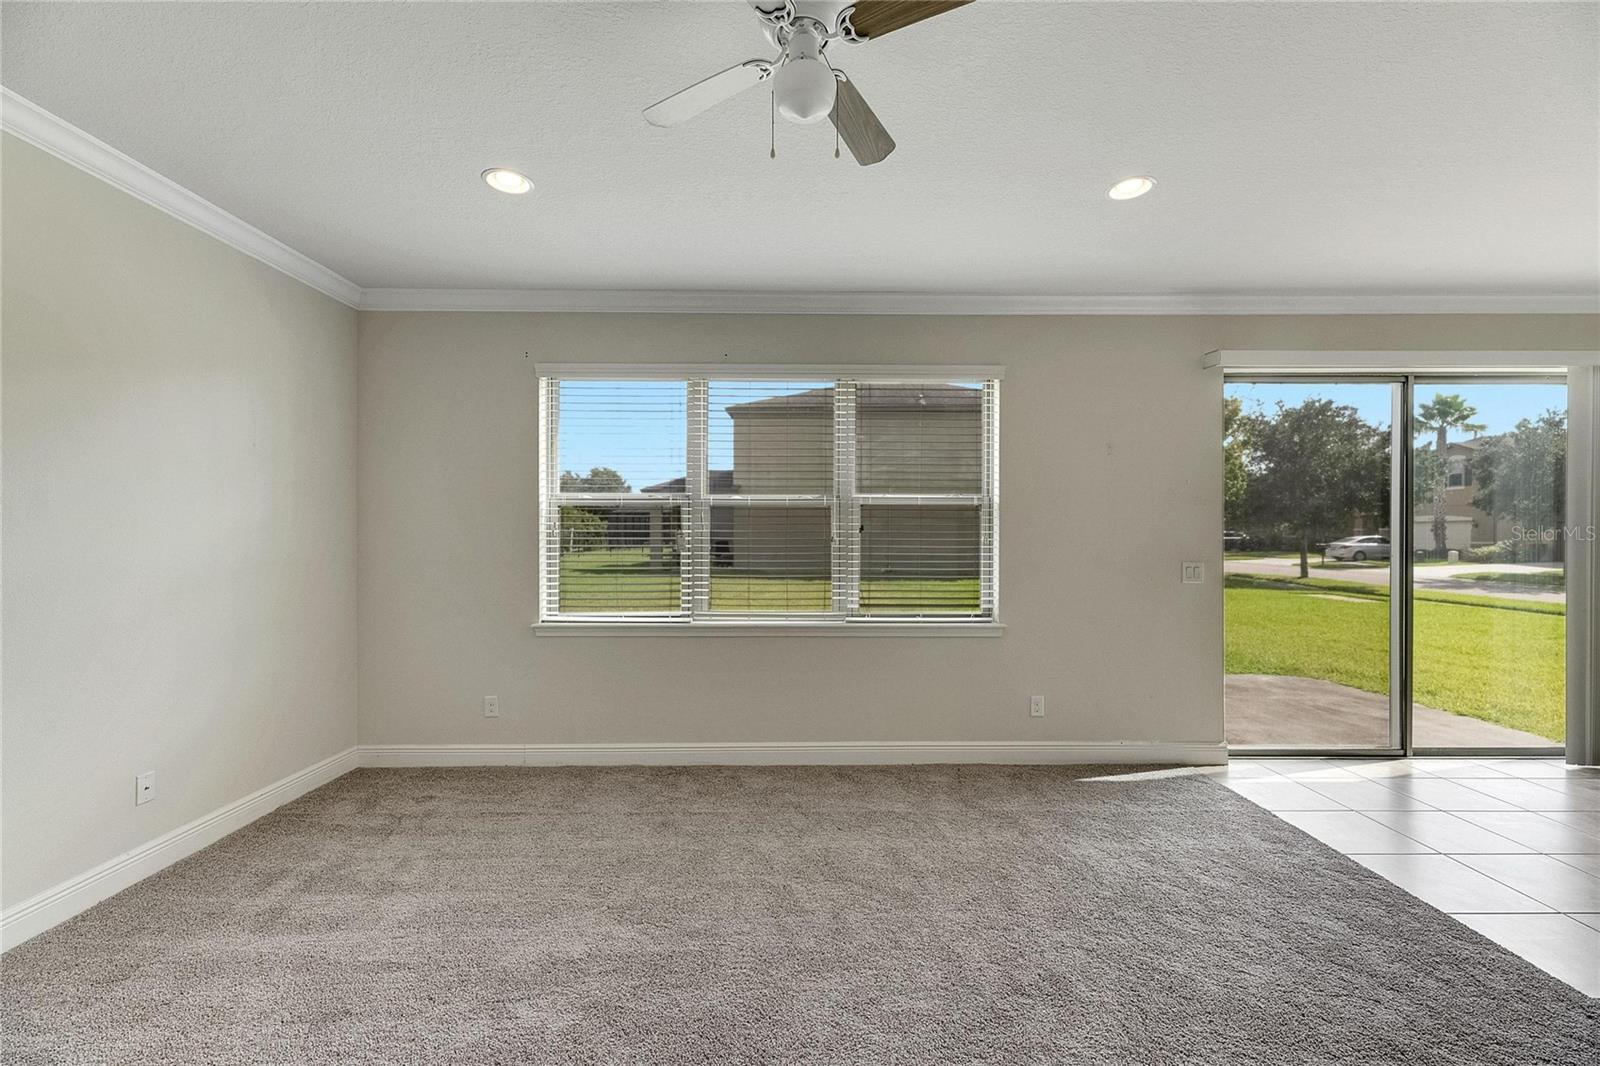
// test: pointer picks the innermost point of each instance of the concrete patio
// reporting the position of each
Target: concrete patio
(1304, 712)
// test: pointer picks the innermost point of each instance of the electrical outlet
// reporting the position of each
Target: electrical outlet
(144, 787)
(491, 706)
(1035, 706)
(1194, 573)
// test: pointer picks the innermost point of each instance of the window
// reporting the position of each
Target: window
(737, 496)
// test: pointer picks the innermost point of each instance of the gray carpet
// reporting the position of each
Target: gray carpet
(848, 915)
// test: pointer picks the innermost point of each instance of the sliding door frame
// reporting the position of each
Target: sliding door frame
(1583, 565)
(1402, 565)
(1402, 538)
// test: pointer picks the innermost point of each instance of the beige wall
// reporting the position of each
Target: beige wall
(1110, 478)
(909, 452)
(792, 541)
(783, 452)
(179, 528)
(921, 543)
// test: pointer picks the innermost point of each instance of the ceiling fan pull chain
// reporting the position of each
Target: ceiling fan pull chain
(773, 127)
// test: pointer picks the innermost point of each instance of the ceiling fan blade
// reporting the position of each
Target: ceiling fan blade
(687, 103)
(874, 18)
(858, 127)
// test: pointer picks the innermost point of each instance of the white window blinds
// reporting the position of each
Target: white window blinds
(727, 498)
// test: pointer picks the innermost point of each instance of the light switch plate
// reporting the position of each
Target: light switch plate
(1194, 573)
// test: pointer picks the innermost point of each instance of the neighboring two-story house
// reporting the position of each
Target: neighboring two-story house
(1467, 525)
(912, 441)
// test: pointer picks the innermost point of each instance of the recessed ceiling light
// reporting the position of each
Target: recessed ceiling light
(502, 180)
(1128, 188)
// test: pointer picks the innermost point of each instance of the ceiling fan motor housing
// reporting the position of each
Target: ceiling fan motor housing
(805, 84)
(827, 13)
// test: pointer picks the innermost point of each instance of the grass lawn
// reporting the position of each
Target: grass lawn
(1499, 660)
(1549, 579)
(623, 580)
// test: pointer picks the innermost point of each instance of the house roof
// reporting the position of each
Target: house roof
(879, 397)
(720, 481)
(1465, 445)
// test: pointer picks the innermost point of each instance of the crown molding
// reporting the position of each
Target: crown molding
(676, 301)
(28, 121)
(1435, 362)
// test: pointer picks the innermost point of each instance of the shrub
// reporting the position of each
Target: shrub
(1510, 551)
(581, 530)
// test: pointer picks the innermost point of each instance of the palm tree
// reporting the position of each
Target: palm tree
(1441, 416)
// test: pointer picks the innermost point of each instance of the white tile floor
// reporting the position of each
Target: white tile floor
(1511, 847)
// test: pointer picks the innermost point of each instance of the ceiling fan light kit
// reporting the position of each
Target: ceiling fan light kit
(804, 82)
(806, 86)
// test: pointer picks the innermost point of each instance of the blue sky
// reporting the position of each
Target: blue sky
(1500, 406)
(635, 427)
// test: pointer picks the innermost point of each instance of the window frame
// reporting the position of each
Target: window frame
(844, 503)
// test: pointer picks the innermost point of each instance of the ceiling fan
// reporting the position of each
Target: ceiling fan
(806, 86)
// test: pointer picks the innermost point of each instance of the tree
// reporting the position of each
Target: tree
(598, 479)
(581, 530)
(1440, 416)
(1313, 468)
(1234, 448)
(1522, 475)
(1427, 473)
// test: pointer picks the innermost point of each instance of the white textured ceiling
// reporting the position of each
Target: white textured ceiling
(1325, 147)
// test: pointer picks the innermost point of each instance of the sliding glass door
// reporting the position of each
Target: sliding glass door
(1488, 579)
(1309, 634)
(1394, 564)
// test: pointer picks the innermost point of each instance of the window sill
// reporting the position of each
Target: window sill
(769, 629)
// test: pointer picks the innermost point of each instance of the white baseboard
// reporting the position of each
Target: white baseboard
(831, 753)
(443, 755)
(55, 905)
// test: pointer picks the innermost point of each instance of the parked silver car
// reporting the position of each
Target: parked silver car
(1359, 549)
